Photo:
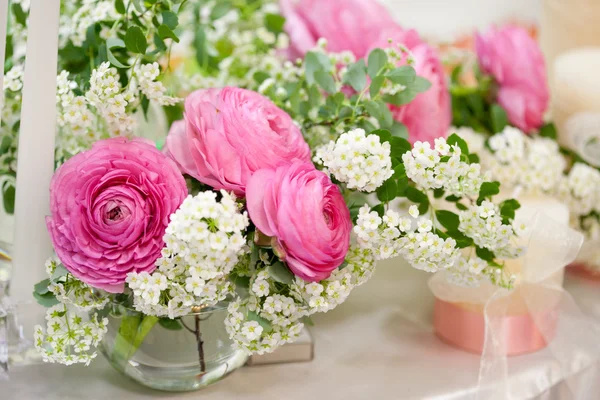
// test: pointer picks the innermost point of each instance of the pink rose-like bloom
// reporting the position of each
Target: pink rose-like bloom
(352, 25)
(306, 213)
(229, 134)
(515, 60)
(429, 115)
(110, 207)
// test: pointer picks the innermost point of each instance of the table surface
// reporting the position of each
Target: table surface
(379, 342)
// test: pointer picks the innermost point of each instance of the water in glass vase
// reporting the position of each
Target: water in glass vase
(184, 354)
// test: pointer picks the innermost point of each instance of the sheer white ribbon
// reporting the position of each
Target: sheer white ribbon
(572, 338)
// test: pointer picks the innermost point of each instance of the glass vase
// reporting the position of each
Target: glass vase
(183, 354)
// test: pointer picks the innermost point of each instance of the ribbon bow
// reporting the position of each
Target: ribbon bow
(536, 313)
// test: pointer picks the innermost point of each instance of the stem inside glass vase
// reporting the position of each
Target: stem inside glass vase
(196, 331)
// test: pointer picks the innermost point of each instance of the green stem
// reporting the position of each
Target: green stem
(132, 332)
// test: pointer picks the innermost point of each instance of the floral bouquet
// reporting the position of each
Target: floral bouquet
(273, 197)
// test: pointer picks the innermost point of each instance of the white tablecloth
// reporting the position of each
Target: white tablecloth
(379, 344)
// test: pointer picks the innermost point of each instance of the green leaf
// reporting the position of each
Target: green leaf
(137, 4)
(120, 7)
(376, 61)
(415, 195)
(379, 209)
(499, 118)
(484, 254)
(220, 9)
(8, 198)
(41, 287)
(453, 198)
(462, 241)
(387, 192)
(20, 15)
(399, 147)
(325, 81)
(170, 19)
(384, 135)
(448, 219)
(46, 300)
(266, 325)
(455, 139)
(404, 75)
(200, 47)
(356, 76)
(280, 273)
(399, 130)
(376, 85)
(549, 131)
(170, 324)
(59, 272)
(507, 210)
(274, 23)
(420, 85)
(135, 40)
(240, 281)
(313, 62)
(113, 43)
(473, 158)
(461, 207)
(488, 189)
(400, 98)
(167, 33)
(438, 193)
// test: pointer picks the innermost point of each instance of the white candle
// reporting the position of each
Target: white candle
(575, 88)
(35, 158)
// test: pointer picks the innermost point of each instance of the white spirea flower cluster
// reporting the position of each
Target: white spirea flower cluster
(442, 167)
(90, 12)
(412, 238)
(533, 163)
(71, 290)
(13, 79)
(580, 189)
(107, 95)
(69, 338)
(146, 75)
(468, 272)
(357, 159)
(204, 241)
(281, 313)
(484, 225)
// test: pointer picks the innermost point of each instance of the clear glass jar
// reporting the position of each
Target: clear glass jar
(184, 354)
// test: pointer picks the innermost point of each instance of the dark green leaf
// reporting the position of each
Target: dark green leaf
(507, 210)
(462, 241)
(461, 207)
(137, 4)
(399, 129)
(5, 144)
(356, 76)
(200, 47)
(145, 106)
(42, 287)
(379, 209)
(170, 19)
(375, 87)
(399, 172)
(46, 300)
(120, 6)
(280, 273)
(8, 198)
(20, 15)
(415, 195)
(266, 325)
(438, 193)
(404, 75)
(384, 135)
(402, 183)
(548, 131)
(111, 44)
(448, 219)
(166, 33)
(399, 147)
(487, 190)
(455, 139)
(420, 85)
(387, 192)
(274, 23)
(452, 198)
(170, 324)
(473, 158)
(240, 281)
(376, 61)
(484, 254)
(135, 40)
(158, 42)
(499, 118)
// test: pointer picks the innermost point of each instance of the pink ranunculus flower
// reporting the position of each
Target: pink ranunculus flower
(306, 215)
(110, 207)
(515, 60)
(429, 115)
(352, 25)
(229, 134)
